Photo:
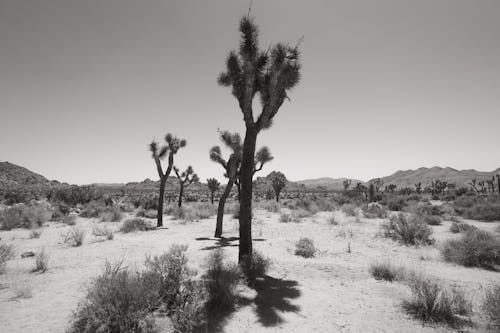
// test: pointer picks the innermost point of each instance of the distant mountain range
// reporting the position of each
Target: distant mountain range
(12, 176)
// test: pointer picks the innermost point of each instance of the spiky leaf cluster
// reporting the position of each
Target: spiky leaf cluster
(186, 177)
(213, 184)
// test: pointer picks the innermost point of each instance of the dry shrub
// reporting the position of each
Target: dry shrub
(132, 225)
(478, 208)
(412, 230)
(432, 219)
(35, 234)
(476, 248)
(491, 305)
(149, 214)
(305, 248)
(113, 215)
(41, 262)
(269, 205)
(349, 210)
(6, 253)
(103, 232)
(430, 301)
(74, 237)
(386, 271)
(221, 278)
(255, 268)
(69, 219)
(93, 209)
(374, 211)
(25, 216)
(457, 227)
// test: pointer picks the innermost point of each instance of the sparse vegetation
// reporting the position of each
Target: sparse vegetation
(41, 262)
(6, 253)
(74, 237)
(24, 216)
(412, 230)
(221, 279)
(256, 267)
(476, 248)
(131, 225)
(305, 248)
(35, 233)
(103, 232)
(456, 227)
(491, 305)
(386, 271)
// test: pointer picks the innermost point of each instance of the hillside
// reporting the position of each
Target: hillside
(331, 184)
(12, 175)
(408, 178)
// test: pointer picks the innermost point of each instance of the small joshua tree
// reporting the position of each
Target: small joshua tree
(232, 168)
(249, 72)
(347, 183)
(213, 186)
(185, 178)
(473, 184)
(378, 183)
(418, 187)
(171, 147)
(278, 181)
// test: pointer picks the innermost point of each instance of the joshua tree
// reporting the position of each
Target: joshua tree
(171, 147)
(498, 183)
(378, 183)
(371, 192)
(347, 183)
(491, 184)
(473, 184)
(271, 74)
(278, 181)
(482, 185)
(390, 188)
(185, 178)
(232, 168)
(418, 187)
(213, 186)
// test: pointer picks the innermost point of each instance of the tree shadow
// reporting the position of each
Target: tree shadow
(222, 242)
(273, 297)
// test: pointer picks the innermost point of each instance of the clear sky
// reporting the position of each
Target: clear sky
(85, 85)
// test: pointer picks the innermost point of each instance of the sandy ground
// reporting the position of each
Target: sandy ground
(332, 292)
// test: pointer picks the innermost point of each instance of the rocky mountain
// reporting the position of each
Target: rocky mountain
(12, 175)
(408, 178)
(330, 184)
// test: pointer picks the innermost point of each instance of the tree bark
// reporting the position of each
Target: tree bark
(498, 183)
(277, 196)
(181, 192)
(212, 197)
(246, 177)
(220, 210)
(159, 222)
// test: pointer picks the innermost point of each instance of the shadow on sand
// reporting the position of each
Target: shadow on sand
(223, 242)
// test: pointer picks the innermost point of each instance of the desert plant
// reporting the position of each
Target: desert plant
(410, 230)
(113, 215)
(213, 186)
(346, 183)
(221, 278)
(185, 178)
(386, 271)
(430, 301)
(373, 210)
(491, 305)
(286, 217)
(74, 236)
(103, 232)
(256, 267)
(432, 219)
(41, 262)
(69, 219)
(6, 253)
(476, 248)
(349, 210)
(305, 248)
(278, 182)
(171, 147)
(35, 234)
(248, 72)
(24, 216)
(131, 225)
(456, 227)
(371, 192)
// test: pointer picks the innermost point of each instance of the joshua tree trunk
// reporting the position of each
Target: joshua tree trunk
(246, 177)
(181, 192)
(159, 223)
(220, 211)
(498, 183)
(212, 197)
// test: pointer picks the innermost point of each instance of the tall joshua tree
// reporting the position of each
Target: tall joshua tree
(185, 178)
(213, 186)
(232, 168)
(170, 148)
(271, 74)
(278, 181)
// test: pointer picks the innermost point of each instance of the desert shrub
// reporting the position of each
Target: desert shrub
(432, 219)
(149, 214)
(146, 202)
(203, 210)
(35, 234)
(103, 232)
(255, 268)
(430, 301)
(304, 203)
(326, 204)
(457, 227)
(41, 262)
(305, 248)
(221, 278)
(123, 301)
(74, 194)
(373, 211)
(60, 210)
(69, 220)
(270, 206)
(6, 253)
(491, 305)
(93, 209)
(427, 209)
(286, 217)
(476, 248)
(113, 215)
(131, 225)
(24, 216)
(412, 230)
(74, 237)
(386, 271)
(395, 202)
(349, 210)
(478, 208)
(331, 220)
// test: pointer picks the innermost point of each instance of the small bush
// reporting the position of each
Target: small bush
(305, 248)
(74, 237)
(132, 225)
(407, 230)
(349, 210)
(373, 211)
(432, 219)
(386, 271)
(256, 268)
(286, 217)
(491, 305)
(476, 248)
(478, 208)
(396, 203)
(103, 232)
(331, 220)
(457, 227)
(431, 302)
(24, 216)
(41, 262)
(221, 279)
(93, 209)
(115, 215)
(149, 214)
(6, 253)
(35, 234)
(69, 219)
(270, 205)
